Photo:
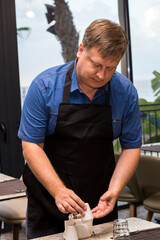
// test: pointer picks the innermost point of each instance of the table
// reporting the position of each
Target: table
(11, 187)
(152, 148)
(104, 231)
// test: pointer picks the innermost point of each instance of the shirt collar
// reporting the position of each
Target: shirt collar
(74, 80)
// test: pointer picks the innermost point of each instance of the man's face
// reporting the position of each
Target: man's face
(92, 69)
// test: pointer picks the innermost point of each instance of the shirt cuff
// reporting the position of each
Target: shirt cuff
(30, 139)
(131, 145)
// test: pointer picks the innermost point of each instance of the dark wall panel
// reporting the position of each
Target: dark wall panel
(126, 63)
(11, 159)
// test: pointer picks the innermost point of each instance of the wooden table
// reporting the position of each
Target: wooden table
(104, 231)
(11, 187)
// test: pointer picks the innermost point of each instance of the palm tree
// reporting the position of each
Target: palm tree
(63, 28)
(155, 83)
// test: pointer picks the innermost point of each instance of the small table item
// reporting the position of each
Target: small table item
(151, 234)
(120, 230)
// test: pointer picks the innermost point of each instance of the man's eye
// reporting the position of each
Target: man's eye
(109, 68)
(96, 65)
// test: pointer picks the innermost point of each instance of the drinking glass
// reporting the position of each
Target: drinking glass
(120, 230)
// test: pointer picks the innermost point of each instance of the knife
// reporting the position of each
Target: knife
(138, 231)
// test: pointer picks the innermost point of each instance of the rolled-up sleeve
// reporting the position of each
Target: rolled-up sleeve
(131, 129)
(33, 124)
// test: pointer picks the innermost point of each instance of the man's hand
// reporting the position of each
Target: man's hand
(105, 205)
(68, 202)
(125, 167)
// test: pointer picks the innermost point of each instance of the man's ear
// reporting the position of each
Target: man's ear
(80, 50)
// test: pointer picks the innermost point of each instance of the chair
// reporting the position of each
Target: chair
(13, 211)
(148, 174)
(131, 192)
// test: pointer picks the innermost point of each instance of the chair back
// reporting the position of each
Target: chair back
(133, 182)
(148, 175)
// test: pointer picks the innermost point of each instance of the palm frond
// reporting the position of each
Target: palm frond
(155, 83)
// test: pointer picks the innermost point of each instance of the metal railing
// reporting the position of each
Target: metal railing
(150, 117)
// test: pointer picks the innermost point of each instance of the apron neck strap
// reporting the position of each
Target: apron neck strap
(66, 92)
(108, 94)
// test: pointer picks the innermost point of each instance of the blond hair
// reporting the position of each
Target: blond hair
(108, 36)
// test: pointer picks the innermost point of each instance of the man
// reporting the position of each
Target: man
(70, 117)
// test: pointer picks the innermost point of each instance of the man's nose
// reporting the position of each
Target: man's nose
(101, 74)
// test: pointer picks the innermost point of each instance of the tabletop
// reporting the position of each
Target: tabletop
(153, 147)
(104, 231)
(11, 187)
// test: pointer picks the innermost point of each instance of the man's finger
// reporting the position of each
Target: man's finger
(68, 207)
(80, 206)
(94, 210)
(77, 207)
(99, 213)
(62, 209)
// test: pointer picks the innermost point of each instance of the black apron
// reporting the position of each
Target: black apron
(81, 152)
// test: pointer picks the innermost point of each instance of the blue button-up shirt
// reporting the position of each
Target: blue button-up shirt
(40, 109)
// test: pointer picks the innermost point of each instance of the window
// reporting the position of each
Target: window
(145, 40)
(38, 49)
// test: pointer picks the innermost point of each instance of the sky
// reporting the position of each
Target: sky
(41, 49)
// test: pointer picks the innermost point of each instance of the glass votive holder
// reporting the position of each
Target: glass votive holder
(121, 230)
